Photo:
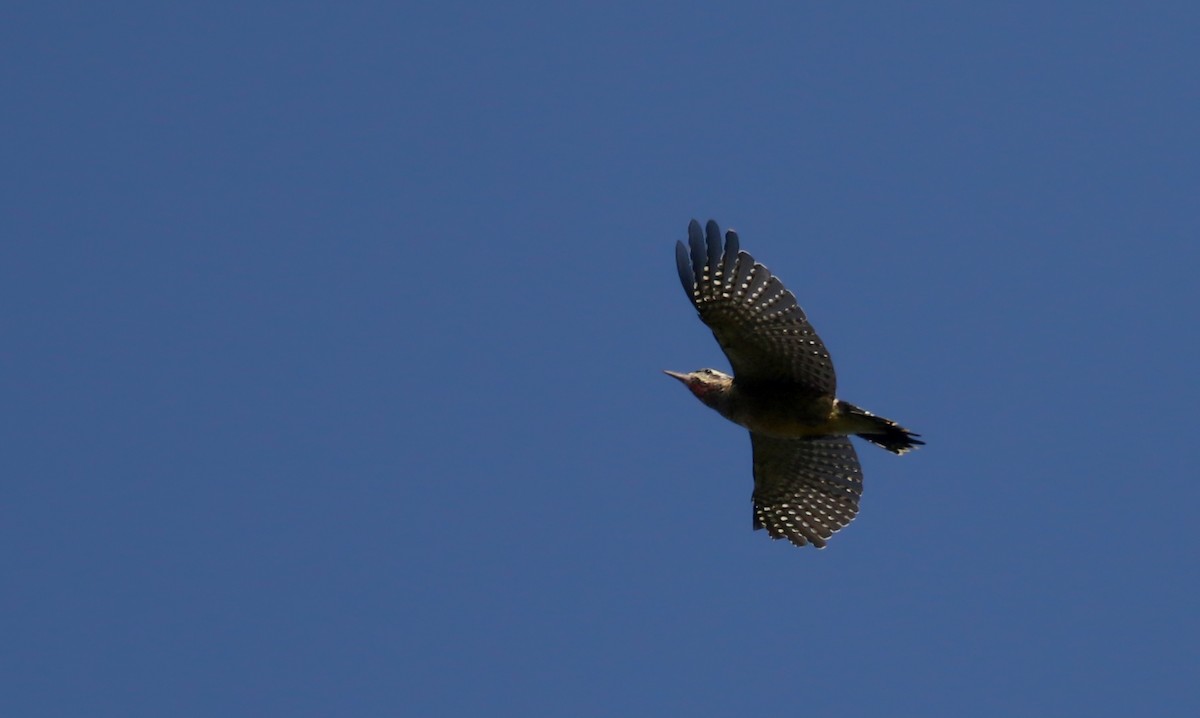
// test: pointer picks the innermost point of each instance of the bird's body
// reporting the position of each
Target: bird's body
(806, 473)
(780, 409)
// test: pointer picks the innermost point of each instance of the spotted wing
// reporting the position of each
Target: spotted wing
(805, 489)
(755, 319)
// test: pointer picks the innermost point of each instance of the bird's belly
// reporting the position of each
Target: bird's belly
(785, 417)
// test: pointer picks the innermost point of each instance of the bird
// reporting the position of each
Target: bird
(807, 478)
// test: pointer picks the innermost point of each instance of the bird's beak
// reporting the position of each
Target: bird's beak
(681, 377)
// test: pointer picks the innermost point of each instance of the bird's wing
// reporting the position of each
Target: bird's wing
(805, 489)
(754, 317)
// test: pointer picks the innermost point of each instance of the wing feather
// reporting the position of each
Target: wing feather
(755, 319)
(805, 490)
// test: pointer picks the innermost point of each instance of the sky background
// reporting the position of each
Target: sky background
(332, 340)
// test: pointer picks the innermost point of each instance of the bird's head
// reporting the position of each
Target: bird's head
(709, 385)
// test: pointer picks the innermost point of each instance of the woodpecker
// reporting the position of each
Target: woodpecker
(807, 479)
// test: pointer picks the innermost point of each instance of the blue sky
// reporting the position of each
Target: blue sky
(334, 334)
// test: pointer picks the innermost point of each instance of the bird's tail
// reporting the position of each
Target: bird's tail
(880, 431)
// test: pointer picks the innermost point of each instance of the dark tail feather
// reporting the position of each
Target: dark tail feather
(884, 432)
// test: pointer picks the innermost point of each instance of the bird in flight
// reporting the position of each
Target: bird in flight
(807, 480)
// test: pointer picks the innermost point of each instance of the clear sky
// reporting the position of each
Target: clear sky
(332, 340)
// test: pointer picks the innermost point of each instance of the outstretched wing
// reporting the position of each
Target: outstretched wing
(754, 317)
(805, 489)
